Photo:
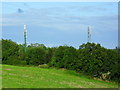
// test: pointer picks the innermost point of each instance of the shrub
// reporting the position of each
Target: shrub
(64, 57)
(36, 55)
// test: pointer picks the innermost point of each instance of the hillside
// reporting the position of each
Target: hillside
(33, 77)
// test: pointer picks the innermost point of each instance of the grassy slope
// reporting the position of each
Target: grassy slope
(33, 77)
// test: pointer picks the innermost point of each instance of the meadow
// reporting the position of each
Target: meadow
(34, 77)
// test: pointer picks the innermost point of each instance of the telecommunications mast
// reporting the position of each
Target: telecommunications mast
(89, 34)
(25, 32)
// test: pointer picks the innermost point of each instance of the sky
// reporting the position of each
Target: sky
(61, 23)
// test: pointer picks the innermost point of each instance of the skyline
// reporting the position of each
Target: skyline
(61, 23)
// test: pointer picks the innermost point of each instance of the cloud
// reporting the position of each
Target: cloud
(20, 10)
(89, 8)
(56, 25)
(62, 18)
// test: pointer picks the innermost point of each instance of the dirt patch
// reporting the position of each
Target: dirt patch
(63, 69)
(8, 69)
(12, 74)
(73, 84)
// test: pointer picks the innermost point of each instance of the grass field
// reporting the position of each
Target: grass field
(33, 77)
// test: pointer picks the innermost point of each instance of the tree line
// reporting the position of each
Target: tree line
(91, 59)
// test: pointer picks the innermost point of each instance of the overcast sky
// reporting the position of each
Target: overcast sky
(61, 23)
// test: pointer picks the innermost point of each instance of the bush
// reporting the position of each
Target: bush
(36, 55)
(64, 57)
(9, 49)
(16, 62)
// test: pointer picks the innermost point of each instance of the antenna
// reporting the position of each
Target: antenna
(25, 31)
(89, 34)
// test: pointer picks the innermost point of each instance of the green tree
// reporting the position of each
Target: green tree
(36, 55)
(64, 57)
(50, 54)
(91, 57)
(10, 52)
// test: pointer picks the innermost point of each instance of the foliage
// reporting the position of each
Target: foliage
(91, 59)
(10, 52)
(36, 55)
(64, 57)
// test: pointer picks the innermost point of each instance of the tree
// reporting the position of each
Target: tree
(10, 53)
(9, 50)
(50, 54)
(91, 57)
(64, 57)
(36, 55)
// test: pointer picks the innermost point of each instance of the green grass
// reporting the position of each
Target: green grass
(33, 77)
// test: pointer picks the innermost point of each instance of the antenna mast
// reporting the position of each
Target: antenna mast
(25, 31)
(89, 34)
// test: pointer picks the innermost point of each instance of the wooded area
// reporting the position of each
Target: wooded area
(91, 59)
